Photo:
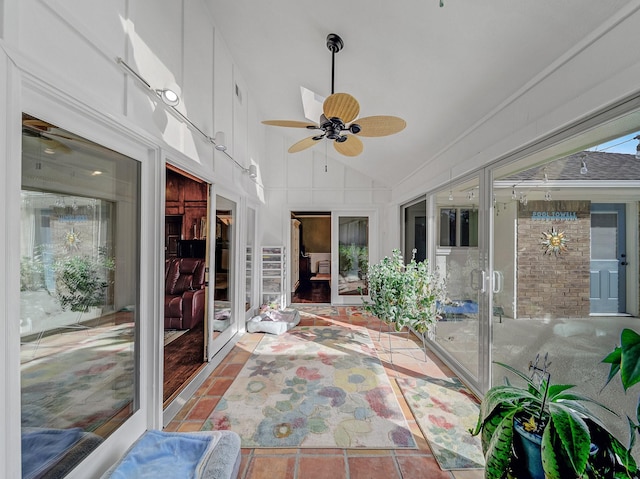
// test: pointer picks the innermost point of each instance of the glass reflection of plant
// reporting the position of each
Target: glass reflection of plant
(32, 272)
(83, 280)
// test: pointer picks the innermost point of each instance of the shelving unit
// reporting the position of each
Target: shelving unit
(273, 275)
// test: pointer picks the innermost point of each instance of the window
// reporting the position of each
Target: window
(79, 237)
(458, 227)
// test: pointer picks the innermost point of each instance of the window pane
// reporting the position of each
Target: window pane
(79, 237)
(415, 231)
(225, 231)
(468, 227)
(251, 219)
(457, 330)
(353, 244)
(447, 227)
(604, 236)
(557, 252)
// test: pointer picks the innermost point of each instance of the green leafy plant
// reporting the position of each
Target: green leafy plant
(363, 261)
(625, 362)
(82, 281)
(568, 430)
(31, 272)
(347, 256)
(404, 295)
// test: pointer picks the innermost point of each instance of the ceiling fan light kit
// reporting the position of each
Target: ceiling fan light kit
(338, 120)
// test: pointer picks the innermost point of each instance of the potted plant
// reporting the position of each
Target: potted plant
(404, 295)
(568, 440)
(625, 362)
(82, 281)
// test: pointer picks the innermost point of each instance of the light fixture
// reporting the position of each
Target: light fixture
(450, 195)
(513, 193)
(547, 196)
(168, 96)
(218, 141)
(546, 176)
(637, 147)
(583, 169)
(253, 171)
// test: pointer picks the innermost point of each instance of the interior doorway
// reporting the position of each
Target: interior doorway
(310, 257)
(186, 264)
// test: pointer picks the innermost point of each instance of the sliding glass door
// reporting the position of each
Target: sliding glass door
(456, 214)
(350, 258)
(561, 231)
(225, 315)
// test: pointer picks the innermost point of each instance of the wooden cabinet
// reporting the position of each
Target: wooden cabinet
(273, 275)
(187, 198)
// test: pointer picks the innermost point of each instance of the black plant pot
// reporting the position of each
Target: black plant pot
(527, 446)
(528, 450)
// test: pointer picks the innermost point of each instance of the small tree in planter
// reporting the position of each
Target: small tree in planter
(404, 295)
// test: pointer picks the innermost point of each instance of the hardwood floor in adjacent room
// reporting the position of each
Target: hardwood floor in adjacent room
(312, 293)
(183, 358)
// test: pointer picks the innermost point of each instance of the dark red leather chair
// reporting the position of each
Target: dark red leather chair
(184, 293)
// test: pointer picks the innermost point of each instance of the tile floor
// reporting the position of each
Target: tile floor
(408, 360)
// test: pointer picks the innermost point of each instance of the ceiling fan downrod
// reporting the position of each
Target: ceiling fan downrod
(334, 44)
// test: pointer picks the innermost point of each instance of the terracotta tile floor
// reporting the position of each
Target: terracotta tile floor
(408, 360)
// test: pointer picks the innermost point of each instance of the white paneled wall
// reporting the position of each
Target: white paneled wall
(223, 91)
(66, 52)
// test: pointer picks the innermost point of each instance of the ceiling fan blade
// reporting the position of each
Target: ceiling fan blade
(351, 147)
(291, 123)
(341, 105)
(380, 125)
(303, 144)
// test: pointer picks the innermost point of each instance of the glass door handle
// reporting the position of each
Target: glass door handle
(498, 281)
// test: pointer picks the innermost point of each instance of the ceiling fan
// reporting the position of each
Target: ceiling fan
(339, 120)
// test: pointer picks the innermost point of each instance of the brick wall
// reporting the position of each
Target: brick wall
(548, 285)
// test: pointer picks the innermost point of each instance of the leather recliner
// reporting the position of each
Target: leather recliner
(184, 293)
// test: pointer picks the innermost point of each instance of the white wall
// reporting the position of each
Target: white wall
(64, 52)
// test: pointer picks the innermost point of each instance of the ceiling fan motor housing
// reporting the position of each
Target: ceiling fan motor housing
(333, 127)
(334, 43)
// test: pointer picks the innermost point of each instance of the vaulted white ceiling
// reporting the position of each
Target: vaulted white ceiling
(443, 69)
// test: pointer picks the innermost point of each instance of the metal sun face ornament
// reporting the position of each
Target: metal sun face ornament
(554, 242)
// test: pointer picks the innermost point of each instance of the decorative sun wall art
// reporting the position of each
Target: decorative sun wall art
(554, 242)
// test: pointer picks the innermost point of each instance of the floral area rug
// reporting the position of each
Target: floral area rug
(83, 384)
(445, 410)
(311, 311)
(313, 387)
